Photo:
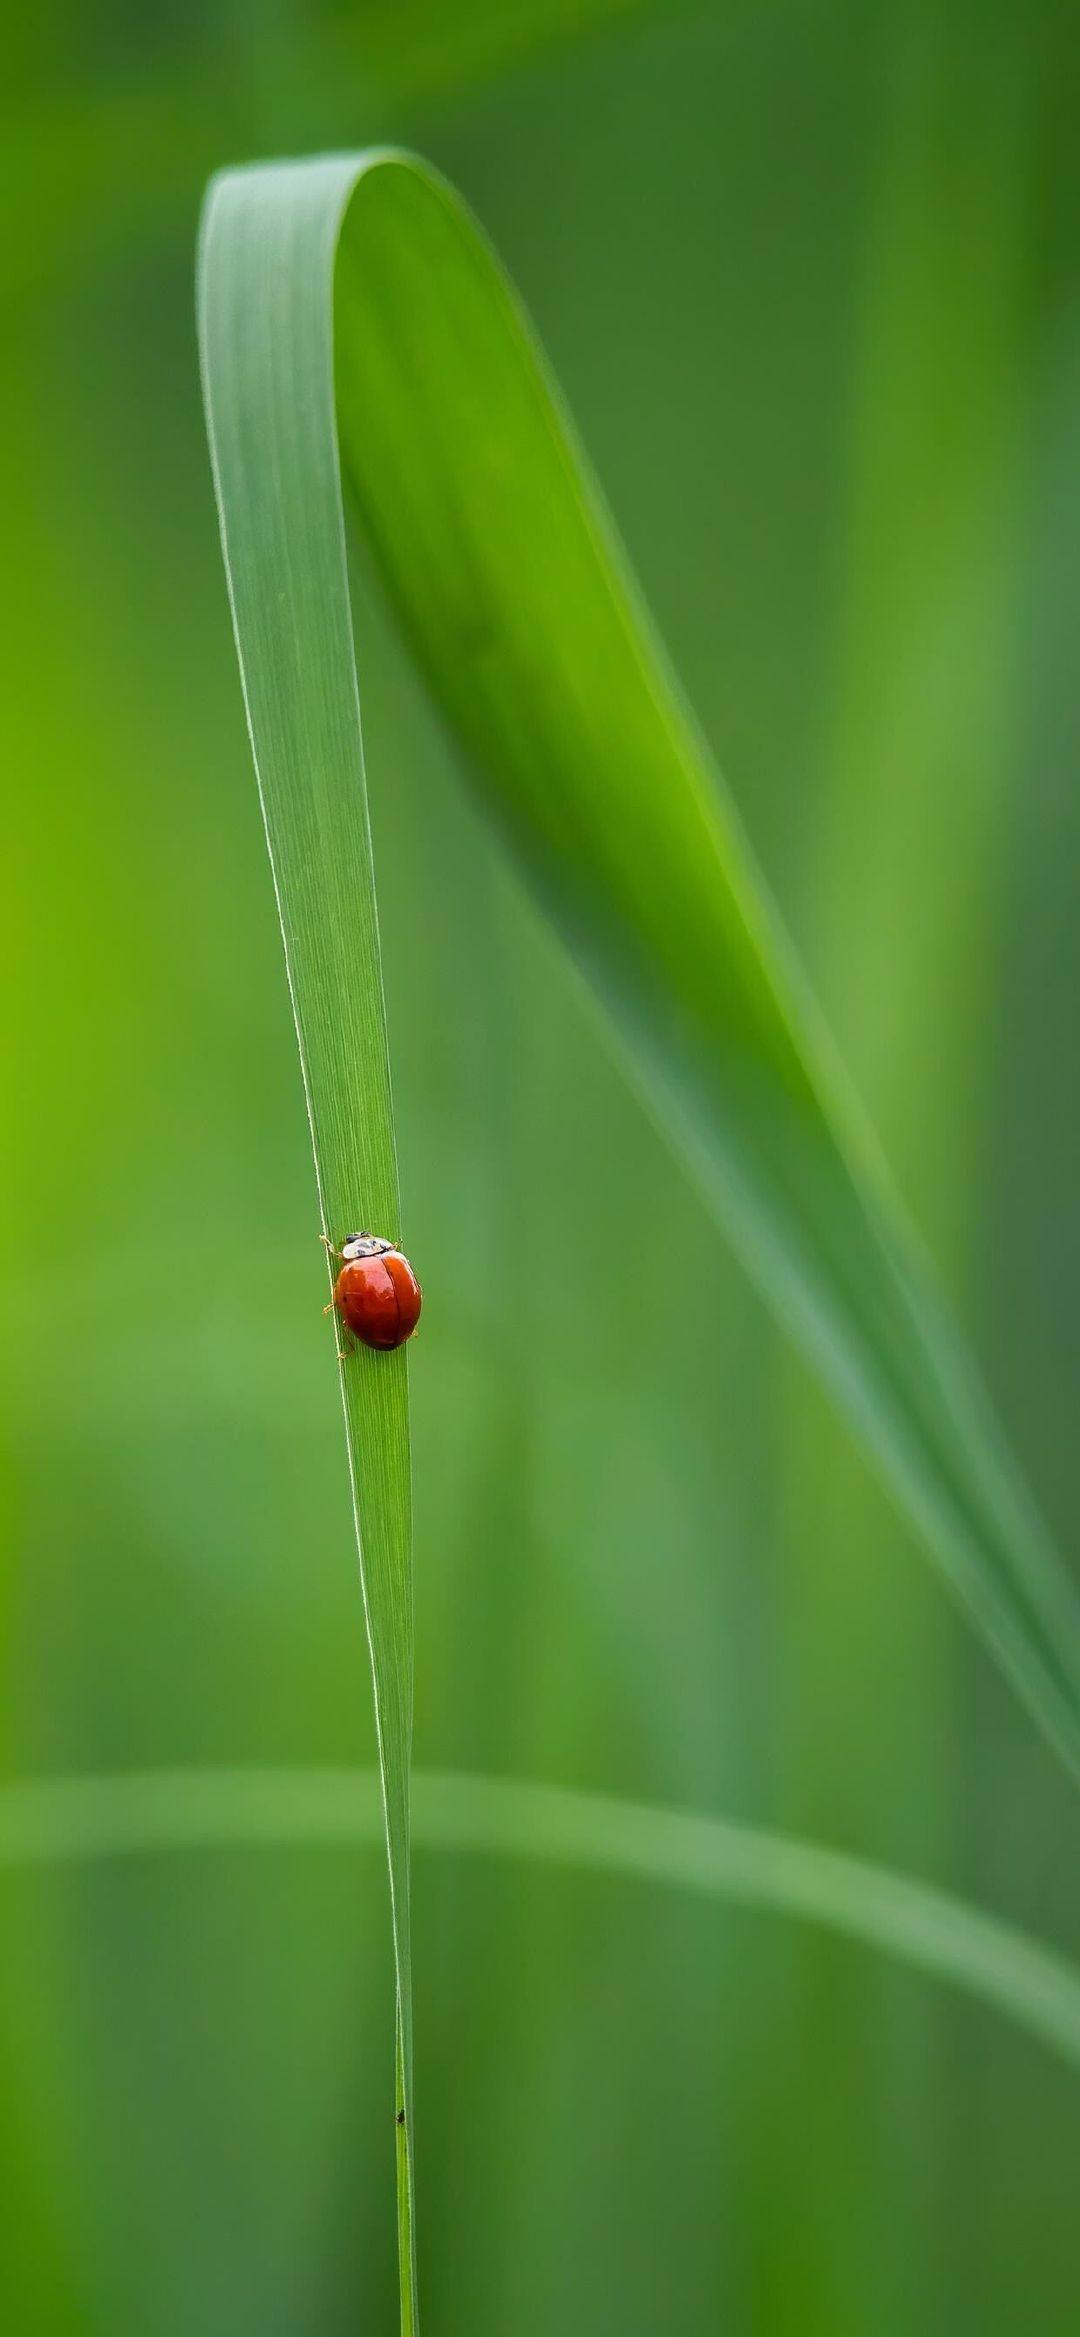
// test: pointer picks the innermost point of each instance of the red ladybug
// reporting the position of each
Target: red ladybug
(376, 1293)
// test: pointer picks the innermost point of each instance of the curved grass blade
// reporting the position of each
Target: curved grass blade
(494, 546)
(53, 1821)
(351, 303)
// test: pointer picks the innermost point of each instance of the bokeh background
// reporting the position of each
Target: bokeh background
(810, 274)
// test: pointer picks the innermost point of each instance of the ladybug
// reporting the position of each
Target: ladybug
(376, 1293)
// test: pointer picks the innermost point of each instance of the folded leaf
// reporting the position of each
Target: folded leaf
(355, 324)
(495, 547)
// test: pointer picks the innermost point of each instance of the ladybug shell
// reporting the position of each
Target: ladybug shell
(379, 1299)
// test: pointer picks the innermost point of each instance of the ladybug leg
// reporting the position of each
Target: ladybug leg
(331, 1252)
(343, 1353)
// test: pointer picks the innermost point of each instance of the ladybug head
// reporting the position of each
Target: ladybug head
(363, 1245)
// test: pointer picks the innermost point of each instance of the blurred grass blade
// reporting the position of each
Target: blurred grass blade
(53, 1821)
(493, 544)
(268, 386)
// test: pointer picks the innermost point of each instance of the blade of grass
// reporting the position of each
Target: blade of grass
(268, 386)
(58, 1820)
(493, 544)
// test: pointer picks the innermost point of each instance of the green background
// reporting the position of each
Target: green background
(809, 276)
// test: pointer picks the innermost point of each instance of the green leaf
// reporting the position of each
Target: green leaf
(493, 544)
(354, 322)
(55, 1820)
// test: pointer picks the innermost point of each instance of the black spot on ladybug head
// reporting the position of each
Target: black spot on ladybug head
(363, 1245)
